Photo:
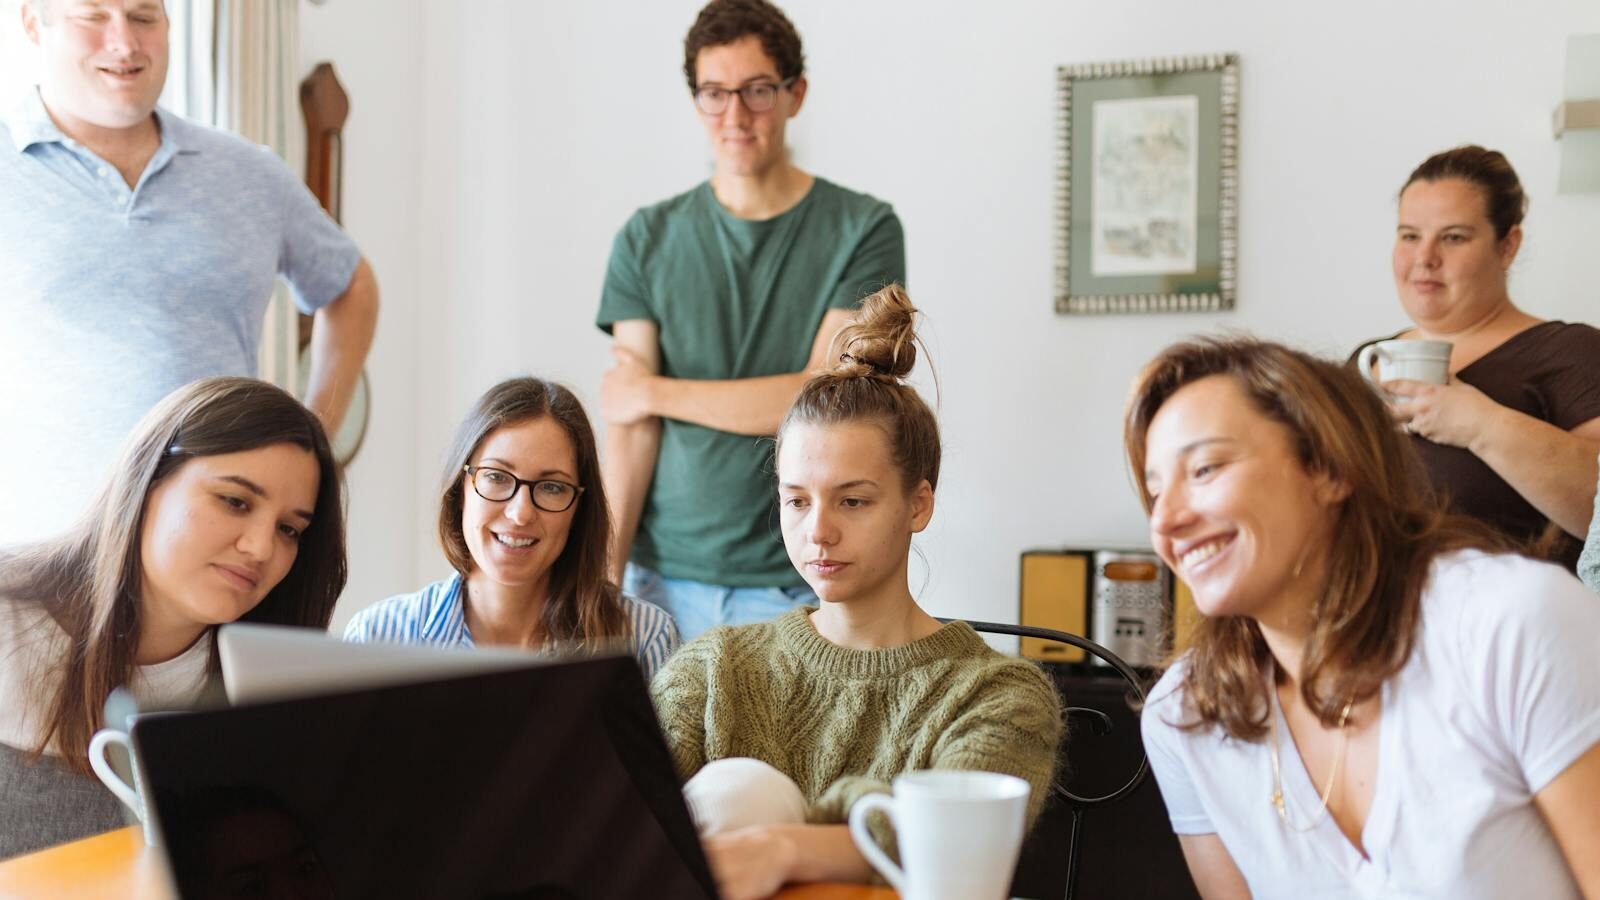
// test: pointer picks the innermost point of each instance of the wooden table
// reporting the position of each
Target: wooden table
(115, 864)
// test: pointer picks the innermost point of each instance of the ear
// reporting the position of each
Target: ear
(1509, 245)
(30, 20)
(798, 92)
(1329, 490)
(921, 506)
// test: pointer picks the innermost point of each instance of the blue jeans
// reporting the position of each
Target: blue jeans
(696, 606)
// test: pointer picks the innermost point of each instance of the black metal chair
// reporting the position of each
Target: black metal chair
(1099, 723)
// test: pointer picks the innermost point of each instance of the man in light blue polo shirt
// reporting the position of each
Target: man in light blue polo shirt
(138, 252)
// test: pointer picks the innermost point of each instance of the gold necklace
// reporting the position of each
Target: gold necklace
(1279, 802)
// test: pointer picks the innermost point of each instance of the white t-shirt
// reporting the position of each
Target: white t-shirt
(1501, 694)
(30, 642)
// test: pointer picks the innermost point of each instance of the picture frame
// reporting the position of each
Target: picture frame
(1147, 184)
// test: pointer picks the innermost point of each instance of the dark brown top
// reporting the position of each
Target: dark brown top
(1550, 372)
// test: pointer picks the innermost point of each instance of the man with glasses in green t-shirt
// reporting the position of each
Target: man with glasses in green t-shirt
(721, 301)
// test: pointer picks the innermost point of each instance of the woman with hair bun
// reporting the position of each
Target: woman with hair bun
(1511, 440)
(781, 726)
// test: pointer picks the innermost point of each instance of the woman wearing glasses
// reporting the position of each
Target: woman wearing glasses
(524, 523)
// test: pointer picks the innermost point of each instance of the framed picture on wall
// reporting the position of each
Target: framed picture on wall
(1147, 185)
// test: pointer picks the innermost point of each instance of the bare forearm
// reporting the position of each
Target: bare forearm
(340, 338)
(824, 853)
(751, 406)
(1553, 469)
(627, 468)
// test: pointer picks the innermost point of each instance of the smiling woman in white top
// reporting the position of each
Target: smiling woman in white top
(1378, 701)
(523, 521)
(224, 506)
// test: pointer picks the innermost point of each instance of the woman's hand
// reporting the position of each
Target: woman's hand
(1453, 414)
(751, 863)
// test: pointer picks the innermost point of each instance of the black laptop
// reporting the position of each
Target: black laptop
(546, 783)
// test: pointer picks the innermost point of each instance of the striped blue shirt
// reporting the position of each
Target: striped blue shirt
(436, 615)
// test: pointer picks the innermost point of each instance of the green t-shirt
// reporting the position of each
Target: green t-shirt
(735, 298)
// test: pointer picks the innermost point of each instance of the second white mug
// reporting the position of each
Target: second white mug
(1427, 361)
(959, 833)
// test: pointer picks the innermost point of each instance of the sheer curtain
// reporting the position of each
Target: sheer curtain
(235, 65)
(17, 57)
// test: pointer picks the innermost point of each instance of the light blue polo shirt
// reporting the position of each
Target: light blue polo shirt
(111, 297)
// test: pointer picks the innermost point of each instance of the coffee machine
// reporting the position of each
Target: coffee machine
(1121, 599)
(1129, 613)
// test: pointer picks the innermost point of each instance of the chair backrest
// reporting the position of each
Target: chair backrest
(1133, 850)
(1100, 722)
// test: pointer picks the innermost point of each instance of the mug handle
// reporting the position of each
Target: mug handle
(1365, 359)
(108, 776)
(869, 847)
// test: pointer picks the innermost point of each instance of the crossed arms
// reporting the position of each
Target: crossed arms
(635, 397)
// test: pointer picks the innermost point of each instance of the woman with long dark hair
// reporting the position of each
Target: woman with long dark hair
(523, 521)
(224, 506)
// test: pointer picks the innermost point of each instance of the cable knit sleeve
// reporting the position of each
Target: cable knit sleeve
(1009, 722)
(833, 808)
(680, 691)
(1012, 725)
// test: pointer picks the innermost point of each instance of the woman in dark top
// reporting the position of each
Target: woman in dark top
(1512, 439)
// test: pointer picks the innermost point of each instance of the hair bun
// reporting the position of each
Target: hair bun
(882, 339)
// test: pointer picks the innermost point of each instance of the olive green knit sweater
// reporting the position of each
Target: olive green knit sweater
(843, 723)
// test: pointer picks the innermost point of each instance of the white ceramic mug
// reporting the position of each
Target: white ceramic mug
(131, 791)
(959, 833)
(1427, 361)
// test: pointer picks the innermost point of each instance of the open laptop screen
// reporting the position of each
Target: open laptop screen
(547, 782)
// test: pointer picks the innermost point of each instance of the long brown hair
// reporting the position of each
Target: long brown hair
(1386, 532)
(89, 580)
(875, 353)
(583, 607)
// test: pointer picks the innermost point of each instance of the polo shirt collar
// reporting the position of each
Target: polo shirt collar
(177, 133)
(30, 123)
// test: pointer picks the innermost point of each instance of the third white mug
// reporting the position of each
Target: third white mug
(959, 833)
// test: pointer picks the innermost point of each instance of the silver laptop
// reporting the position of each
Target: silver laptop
(261, 663)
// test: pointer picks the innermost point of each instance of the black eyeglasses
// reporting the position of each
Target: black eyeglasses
(757, 98)
(498, 485)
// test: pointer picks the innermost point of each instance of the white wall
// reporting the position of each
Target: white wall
(551, 122)
(16, 53)
(377, 50)
(494, 147)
